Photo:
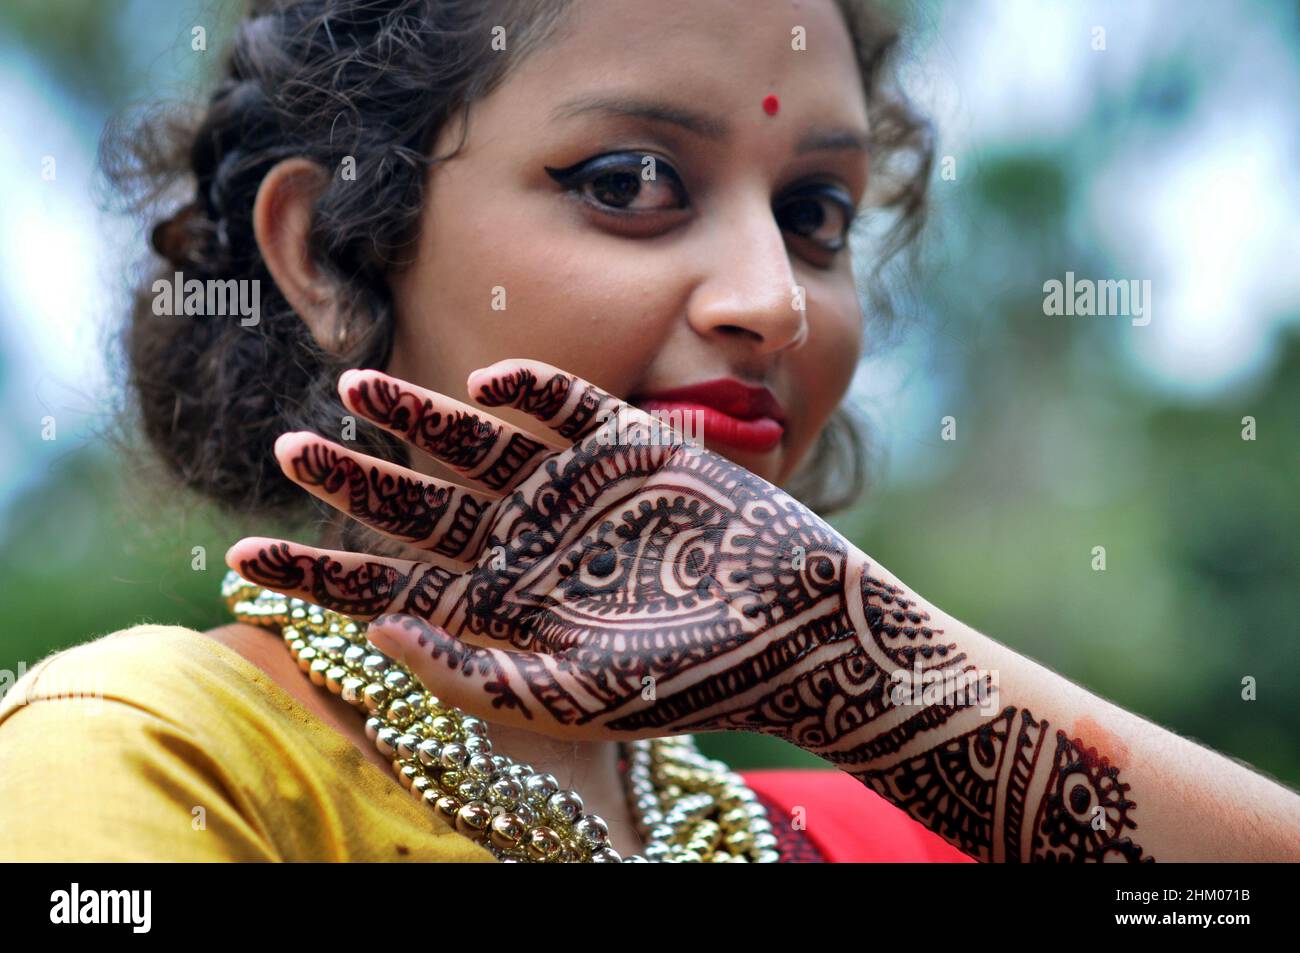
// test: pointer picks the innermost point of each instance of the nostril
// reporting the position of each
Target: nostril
(735, 330)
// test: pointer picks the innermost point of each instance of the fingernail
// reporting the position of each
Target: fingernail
(386, 640)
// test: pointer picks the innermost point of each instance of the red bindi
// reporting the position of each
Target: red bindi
(771, 104)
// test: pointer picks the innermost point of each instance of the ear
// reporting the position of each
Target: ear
(281, 222)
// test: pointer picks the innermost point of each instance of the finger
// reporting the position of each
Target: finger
(487, 450)
(567, 404)
(570, 406)
(529, 690)
(421, 511)
(354, 584)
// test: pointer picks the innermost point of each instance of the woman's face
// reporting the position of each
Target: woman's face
(713, 260)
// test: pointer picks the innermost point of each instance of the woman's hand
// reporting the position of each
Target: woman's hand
(628, 585)
(625, 585)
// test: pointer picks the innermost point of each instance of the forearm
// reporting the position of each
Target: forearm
(1010, 761)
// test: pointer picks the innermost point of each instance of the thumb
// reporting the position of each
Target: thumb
(488, 683)
(396, 635)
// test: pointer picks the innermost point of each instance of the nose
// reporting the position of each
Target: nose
(748, 290)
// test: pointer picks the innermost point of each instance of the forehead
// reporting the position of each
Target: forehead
(719, 57)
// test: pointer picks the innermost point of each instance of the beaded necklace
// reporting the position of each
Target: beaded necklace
(687, 808)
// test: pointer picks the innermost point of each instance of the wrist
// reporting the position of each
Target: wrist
(896, 674)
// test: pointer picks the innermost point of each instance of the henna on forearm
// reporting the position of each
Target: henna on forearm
(1003, 788)
(977, 790)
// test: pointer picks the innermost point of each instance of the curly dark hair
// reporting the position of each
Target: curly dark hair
(375, 80)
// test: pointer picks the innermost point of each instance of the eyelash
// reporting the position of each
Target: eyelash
(584, 173)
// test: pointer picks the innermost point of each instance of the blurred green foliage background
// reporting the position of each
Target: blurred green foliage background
(1071, 432)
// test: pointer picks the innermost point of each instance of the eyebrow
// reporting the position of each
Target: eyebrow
(817, 139)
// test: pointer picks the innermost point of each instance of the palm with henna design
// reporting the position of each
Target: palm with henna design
(646, 587)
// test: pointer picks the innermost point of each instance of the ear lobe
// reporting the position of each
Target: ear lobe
(282, 215)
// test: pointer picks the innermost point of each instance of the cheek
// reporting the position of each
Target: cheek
(513, 275)
(830, 357)
(822, 370)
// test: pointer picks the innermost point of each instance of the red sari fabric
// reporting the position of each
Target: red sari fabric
(846, 821)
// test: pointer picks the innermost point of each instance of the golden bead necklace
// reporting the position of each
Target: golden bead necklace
(688, 808)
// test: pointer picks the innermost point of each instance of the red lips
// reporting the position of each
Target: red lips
(731, 413)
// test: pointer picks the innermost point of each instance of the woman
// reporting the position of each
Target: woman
(650, 204)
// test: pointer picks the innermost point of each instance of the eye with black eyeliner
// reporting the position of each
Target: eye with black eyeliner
(618, 179)
(820, 213)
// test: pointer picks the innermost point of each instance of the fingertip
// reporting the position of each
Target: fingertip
(291, 445)
(349, 381)
(397, 621)
(252, 544)
(283, 443)
(385, 639)
(242, 550)
(476, 383)
(237, 547)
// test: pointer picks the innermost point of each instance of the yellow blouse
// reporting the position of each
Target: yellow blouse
(160, 743)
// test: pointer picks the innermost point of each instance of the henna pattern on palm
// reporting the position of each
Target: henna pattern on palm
(610, 568)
